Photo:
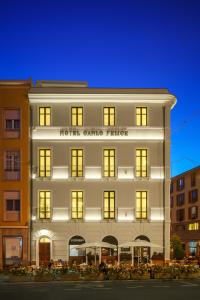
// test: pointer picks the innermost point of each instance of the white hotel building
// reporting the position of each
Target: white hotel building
(100, 168)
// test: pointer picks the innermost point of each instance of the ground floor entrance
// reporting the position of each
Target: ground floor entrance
(44, 251)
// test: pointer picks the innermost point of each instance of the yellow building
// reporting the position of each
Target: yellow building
(14, 172)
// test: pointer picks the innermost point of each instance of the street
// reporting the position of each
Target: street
(118, 290)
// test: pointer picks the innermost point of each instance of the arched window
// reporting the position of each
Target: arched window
(73, 242)
(110, 239)
(142, 237)
(44, 239)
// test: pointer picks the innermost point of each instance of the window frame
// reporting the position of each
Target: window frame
(111, 214)
(45, 115)
(192, 216)
(12, 161)
(178, 213)
(109, 169)
(139, 209)
(191, 199)
(45, 157)
(13, 205)
(178, 185)
(46, 211)
(109, 115)
(140, 115)
(75, 209)
(180, 199)
(193, 226)
(193, 180)
(76, 116)
(139, 170)
(75, 167)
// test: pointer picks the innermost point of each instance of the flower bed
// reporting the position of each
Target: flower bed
(90, 273)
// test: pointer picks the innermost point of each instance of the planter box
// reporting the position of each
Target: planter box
(140, 277)
(19, 278)
(91, 277)
(43, 278)
(163, 276)
(69, 277)
(189, 276)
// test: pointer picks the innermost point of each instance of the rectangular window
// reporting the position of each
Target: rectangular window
(141, 162)
(141, 116)
(193, 180)
(44, 162)
(141, 205)
(109, 205)
(109, 162)
(193, 248)
(44, 116)
(171, 187)
(12, 165)
(193, 212)
(171, 202)
(193, 196)
(193, 226)
(11, 206)
(77, 204)
(44, 204)
(180, 199)
(180, 184)
(77, 162)
(12, 123)
(180, 215)
(12, 249)
(12, 161)
(77, 116)
(109, 116)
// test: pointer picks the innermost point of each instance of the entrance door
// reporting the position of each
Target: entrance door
(44, 251)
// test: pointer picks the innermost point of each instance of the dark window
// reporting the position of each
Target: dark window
(180, 227)
(12, 124)
(180, 184)
(180, 215)
(193, 212)
(12, 161)
(12, 205)
(171, 187)
(171, 201)
(193, 196)
(193, 179)
(180, 199)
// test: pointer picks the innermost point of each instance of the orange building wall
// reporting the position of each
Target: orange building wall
(15, 95)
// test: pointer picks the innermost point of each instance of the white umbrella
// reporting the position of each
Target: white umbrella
(138, 243)
(95, 245)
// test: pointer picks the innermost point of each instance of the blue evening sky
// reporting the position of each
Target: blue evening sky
(112, 43)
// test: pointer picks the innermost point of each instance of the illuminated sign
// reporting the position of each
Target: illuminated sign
(69, 133)
(95, 132)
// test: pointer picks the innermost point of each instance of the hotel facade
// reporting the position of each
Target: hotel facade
(100, 168)
(14, 173)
